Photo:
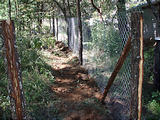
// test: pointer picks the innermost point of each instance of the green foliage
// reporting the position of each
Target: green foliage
(36, 74)
(151, 99)
(3, 9)
(48, 41)
(4, 98)
(156, 96)
(36, 87)
(36, 43)
(42, 41)
(154, 106)
(106, 40)
(148, 64)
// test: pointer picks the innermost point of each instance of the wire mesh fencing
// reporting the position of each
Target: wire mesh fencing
(101, 53)
(103, 42)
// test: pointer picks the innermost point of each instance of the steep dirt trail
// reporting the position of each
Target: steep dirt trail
(77, 93)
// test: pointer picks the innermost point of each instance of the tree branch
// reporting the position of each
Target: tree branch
(57, 3)
(69, 7)
(62, 9)
(98, 10)
(9, 12)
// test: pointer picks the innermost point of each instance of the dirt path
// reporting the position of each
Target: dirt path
(77, 92)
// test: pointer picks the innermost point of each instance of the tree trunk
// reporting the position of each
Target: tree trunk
(68, 32)
(16, 7)
(53, 25)
(80, 32)
(57, 28)
(69, 8)
(157, 54)
(41, 14)
(9, 12)
(157, 66)
(157, 59)
(39, 10)
(38, 17)
(50, 24)
(67, 22)
(64, 11)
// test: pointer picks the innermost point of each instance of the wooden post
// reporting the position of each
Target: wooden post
(136, 65)
(117, 68)
(140, 70)
(14, 73)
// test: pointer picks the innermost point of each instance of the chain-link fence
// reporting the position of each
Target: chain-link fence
(101, 54)
(103, 42)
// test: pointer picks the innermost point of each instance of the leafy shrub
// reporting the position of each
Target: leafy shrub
(42, 41)
(106, 39)
(4, 99)
(154, 106)
(48, 41)
(151, 99)
(37, 90)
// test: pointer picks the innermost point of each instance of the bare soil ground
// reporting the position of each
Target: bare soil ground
(76, 91)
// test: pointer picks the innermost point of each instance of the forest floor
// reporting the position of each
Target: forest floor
(76, 92)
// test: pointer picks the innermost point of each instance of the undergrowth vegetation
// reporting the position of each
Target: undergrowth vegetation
(36, 75)
(151, 97)
(105, 57)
